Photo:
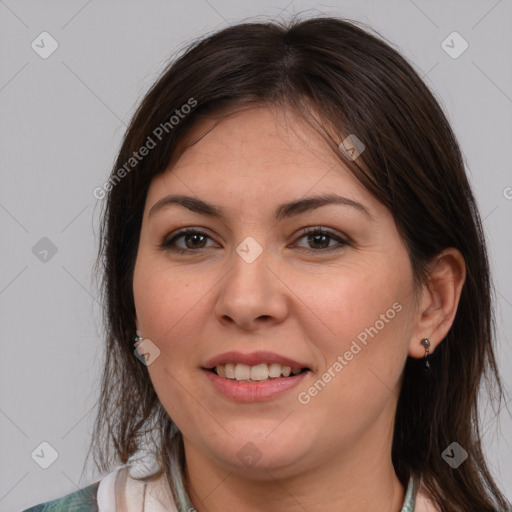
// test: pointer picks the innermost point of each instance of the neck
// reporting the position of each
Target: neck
(358, 478)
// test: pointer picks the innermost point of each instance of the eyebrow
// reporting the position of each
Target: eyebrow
(282, 211)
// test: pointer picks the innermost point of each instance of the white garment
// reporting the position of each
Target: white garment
(423, 504)
(119, 492)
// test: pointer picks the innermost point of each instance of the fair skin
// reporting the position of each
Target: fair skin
(295, 299)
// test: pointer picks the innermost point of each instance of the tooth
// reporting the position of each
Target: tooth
(259, 372)
(242, 372)
(229, 369)
(274, 370)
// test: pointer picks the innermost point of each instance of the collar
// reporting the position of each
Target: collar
(120, 492)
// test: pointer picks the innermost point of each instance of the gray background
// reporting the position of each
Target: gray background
(62, 119)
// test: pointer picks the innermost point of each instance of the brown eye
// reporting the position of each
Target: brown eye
(193, 240)
(319, 240)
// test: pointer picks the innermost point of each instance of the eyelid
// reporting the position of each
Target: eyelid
(324, 229)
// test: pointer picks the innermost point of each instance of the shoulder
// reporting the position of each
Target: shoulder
(120, 489)
(83, 500)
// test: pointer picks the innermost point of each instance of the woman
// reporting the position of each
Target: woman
(298, 301)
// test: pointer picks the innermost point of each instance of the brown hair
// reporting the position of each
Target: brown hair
(357, 84)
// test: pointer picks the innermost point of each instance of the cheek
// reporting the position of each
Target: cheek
(165, 299)
(167, 306)
(365, 347)
(360, 305)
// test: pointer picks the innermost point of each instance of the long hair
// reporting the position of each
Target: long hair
(341, 79)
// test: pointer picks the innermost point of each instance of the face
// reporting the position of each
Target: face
(323, 290)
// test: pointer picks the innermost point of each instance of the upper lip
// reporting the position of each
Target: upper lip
(252, 359)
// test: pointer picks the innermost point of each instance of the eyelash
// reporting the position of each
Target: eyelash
(169, 244)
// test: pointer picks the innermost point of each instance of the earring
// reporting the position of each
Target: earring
(136, 339)
(426, 343)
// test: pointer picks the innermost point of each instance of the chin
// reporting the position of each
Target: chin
(260, 457)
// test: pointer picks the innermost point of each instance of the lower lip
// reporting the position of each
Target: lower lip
(254, 391)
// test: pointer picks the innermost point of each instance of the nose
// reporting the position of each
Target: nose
(251, 294)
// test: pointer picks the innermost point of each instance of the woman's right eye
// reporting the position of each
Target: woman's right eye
(192, 239)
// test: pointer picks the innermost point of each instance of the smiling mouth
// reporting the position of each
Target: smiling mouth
(258, 373)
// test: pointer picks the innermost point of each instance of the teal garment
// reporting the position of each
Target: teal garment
(83, 500)
(410, 496)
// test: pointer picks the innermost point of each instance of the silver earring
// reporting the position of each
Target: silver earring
(426, 343)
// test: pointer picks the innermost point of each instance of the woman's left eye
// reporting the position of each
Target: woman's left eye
(196, 240)
(322, 236)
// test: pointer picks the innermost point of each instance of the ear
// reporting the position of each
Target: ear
(438, 301)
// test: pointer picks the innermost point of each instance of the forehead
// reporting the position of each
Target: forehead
(260, 155)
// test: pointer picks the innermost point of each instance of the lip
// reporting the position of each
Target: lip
(252, 359)
(253, 391)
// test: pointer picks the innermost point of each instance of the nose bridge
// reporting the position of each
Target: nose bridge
(250, 290)
(249, 269)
